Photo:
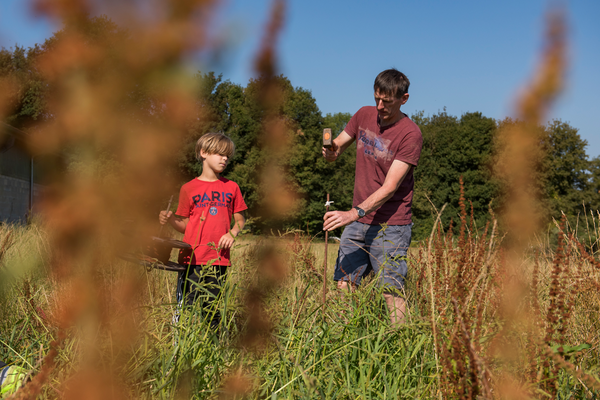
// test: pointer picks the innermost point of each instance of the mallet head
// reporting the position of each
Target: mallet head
(327, 138)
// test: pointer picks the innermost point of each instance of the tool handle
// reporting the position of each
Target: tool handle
(167, 210)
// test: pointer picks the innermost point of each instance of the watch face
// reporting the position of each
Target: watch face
(361, 212)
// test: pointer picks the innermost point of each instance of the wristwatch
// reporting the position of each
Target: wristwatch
(361, 212)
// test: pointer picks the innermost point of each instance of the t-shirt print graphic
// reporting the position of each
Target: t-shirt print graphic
(374, 146)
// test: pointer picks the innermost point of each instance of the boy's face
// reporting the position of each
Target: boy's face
(215, 162)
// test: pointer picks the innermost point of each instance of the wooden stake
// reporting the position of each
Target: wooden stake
(325, 263)
(328, 144)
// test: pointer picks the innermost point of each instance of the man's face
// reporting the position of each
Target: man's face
(388, 107)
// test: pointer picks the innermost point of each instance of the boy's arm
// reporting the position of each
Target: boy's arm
(177, 222)
(239, 222)
(227, 239)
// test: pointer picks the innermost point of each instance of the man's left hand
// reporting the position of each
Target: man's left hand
(337, 219)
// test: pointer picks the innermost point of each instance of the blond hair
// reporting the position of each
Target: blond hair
(214, 143)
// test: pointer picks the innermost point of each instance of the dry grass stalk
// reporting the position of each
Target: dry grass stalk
(123, 100)
(517, 166)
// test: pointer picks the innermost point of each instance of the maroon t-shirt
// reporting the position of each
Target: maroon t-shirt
(376, 148)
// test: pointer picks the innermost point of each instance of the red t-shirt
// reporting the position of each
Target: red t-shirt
(376, 148)
(210, 207)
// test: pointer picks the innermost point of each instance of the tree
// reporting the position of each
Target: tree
(23, 91)
(568, 176)
(317, 177)
(453, 148)
(237, 111)
(595, 183)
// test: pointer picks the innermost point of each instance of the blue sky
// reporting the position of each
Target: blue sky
(461, 55)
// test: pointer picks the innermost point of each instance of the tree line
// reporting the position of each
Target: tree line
(568, 180)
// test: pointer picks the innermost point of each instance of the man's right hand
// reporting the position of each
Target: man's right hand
(331, 154)
(164, 216)
(337, 219)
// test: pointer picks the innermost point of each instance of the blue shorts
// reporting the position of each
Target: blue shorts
(364, 247)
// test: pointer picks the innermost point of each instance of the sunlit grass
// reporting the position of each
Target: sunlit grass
(346, 349)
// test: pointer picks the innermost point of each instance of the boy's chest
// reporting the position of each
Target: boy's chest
(211, 201)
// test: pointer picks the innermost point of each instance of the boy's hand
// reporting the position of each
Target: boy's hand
(226, 241)
(164, 216)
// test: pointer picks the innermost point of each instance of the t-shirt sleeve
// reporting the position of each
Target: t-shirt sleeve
(183, 208)
(238, 202)
(352, 125)
(410, 148)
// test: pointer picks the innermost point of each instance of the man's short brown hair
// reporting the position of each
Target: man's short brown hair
(215, 143)
(391, 82)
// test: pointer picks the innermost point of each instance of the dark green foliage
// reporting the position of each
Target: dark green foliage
(236, 111)
(453, 147)
(569, 174)
(318, 177)
(20, 73)
(28, 92)
(595, 183)
(566, 180)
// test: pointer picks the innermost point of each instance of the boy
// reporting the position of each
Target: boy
(206, 205)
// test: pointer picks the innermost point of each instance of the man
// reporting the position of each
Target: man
(388, 149)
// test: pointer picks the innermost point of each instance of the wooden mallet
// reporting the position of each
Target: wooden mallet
(327, 138)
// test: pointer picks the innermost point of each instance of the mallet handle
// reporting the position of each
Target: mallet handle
(168, 208)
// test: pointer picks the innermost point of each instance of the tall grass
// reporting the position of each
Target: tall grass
(458, 341)
(491, 316)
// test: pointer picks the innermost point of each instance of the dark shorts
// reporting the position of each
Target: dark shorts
(200, 281)
(364, 247)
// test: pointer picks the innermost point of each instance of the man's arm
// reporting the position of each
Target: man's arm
(396, 174)
(340, 144)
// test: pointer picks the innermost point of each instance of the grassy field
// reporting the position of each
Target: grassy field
(480, 326)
